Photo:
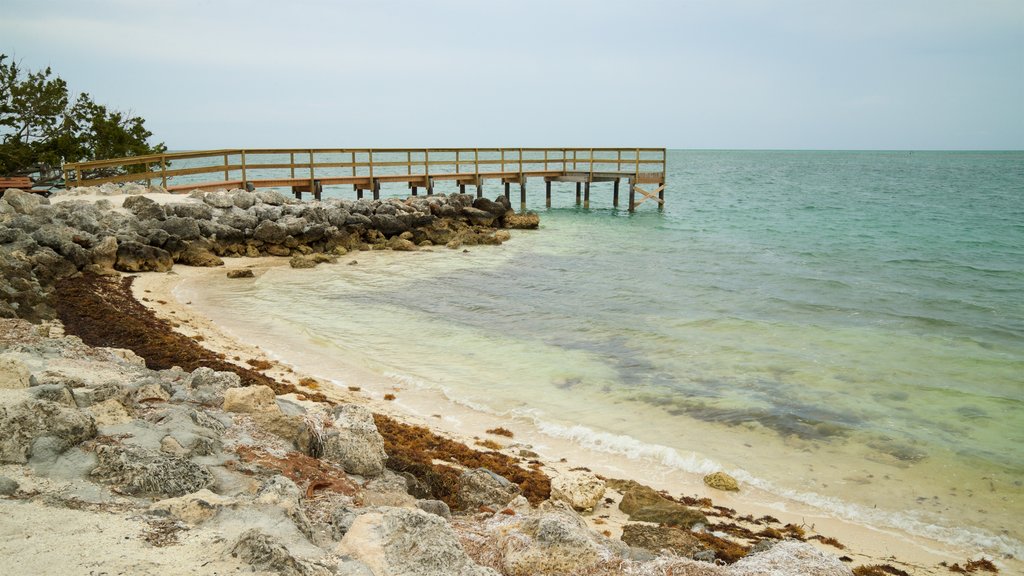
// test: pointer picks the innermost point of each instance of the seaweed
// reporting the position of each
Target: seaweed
(420, 452)
(879, 570)
(971, 566)
(501, 432)
(103, 312)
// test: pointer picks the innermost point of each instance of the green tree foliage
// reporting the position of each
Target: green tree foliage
(41, 127)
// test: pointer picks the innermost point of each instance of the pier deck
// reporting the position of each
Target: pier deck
(366, 170)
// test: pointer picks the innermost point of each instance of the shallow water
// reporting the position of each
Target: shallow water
(841, 328)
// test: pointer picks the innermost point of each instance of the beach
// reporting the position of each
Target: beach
(215, 306)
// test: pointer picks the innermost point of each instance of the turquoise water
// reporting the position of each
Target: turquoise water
(843, 328)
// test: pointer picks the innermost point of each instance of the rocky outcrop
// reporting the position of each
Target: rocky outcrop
(25, 423)
(400, 541)
(721, 481)
(139, 471)
(643, 504)
(353, 441)
(250, 399)
(42, 243)
(482, 488)
(580, 489)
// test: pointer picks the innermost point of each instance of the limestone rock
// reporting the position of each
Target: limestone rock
(559, 543)
(658, 538)
(266, 553)
(58, 393)
(283, 425)
(110, 412)
(280, 491)
(250, 399)
(722, 481)
(136, 257)
(580, 489)
(170, 445)
(481, 487)
(140, 471)
(23, 202)
(194, 508)
(7, 486)
(200, 257)
(478, 217)
(403, 542)
(435, 507)
(311, 260)
(354, 442)
(13, 372)
(643, 504)
(22, 424)
(148, 393)
(527, 221)
(790, 558)
(207, 386)
(241, 273)
(402, 245)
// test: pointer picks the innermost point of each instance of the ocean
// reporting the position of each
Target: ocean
(843, 329)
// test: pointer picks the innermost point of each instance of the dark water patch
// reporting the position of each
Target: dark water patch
(903, 451)
(971, 412)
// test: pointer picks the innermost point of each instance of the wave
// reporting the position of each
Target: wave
(693, 463)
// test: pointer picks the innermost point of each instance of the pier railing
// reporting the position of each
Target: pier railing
(309, 170)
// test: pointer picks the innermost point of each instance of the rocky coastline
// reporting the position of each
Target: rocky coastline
(138, 450)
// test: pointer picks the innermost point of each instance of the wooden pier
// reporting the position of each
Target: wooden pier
(366, 170)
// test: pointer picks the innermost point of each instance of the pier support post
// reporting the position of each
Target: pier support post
(479, 190)
(430, 187)
(615, 194)
(414, 191)
(507, 193)
(661, 197)
(547, 193)
(578, 193)
(586, 194)
(359, 193)
(462, 188)
(522, 193)
(376, 190)
(632, 196)
(318, 190)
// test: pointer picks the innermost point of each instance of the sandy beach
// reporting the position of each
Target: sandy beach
(166, 296)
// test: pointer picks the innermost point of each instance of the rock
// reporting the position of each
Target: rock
(7, 486)
(266, 553)
(272, 197)
(283, 425)
(103, 255)
(23, 424)
(199, 256)
(722, 481)
(194, 508)
(243, 199)
(280, 491)
(402, 245)
(502, 236)
(193, 210)
(144, 208)
(250, 399)
(219, 199)
(643, 504)
(557, 543)
(136, 257)
(169, 445)
(150, 393)
(270, 232)
(23, 202)
(311, 260)
(58, 393)
(13, 372)
(406, 542)
(495, 209)
(110, 412)
(183, 228)
(790, 558)
(658, 538)
(481, 487)
(436, 507)
(580, 489)
(353, 442)
(527, 221)
(144, 472)
(241, 273)
(478, 217)
(207, 386)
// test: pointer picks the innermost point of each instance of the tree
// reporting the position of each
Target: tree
(41, 127)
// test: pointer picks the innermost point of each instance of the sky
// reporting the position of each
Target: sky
(704, 74)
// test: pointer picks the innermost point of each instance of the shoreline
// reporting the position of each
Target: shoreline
(864, 544)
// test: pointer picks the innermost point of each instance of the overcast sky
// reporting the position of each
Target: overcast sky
(796, 74)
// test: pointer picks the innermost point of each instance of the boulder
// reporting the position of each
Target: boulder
(13, 372)
(241, 273)
(436, 507)
(250, 399)
(353, 442)
(722, 481)
(496, 209)
(658, 538)
(103, 255)
(483, 488)
(311, 260)
(266, 553)
(143, 472)
(207, 386)
(58, 393)
(402, 541)
(219, 199)
(194, 508)
(643, 504)
(527, 221)
(200, 256)
(21, 425)
(184, 228)
(580, 489)
(272, 197)
(478, 217)
(557, 543)
(23, 202)
(137, 257)
(790, 558)
(110, 412)
(193, 210)
(270, 232)
(144, 208)
(401, 245)
(7, 486)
